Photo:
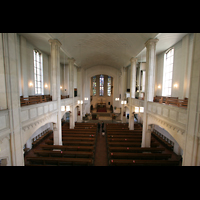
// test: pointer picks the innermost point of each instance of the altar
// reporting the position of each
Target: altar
(101, 107)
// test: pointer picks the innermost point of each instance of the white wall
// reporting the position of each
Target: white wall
(181, 69)
(27, 68)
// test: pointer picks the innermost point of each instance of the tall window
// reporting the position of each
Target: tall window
(38, 72)
(101, 88)
(168, 72)
(109, 86)
(94, 85)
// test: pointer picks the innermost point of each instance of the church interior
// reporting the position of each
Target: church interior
(99, 99)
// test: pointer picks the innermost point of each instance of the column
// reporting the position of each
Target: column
(149, 87)
(133, 77)
(9, 41)
(131, 120)
(55, 68)
(191, 152)
(71, 117)
(71, 77)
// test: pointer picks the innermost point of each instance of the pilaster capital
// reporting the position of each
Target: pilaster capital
(133, 60)
(71, 60)
(151, 42)
(55, 42)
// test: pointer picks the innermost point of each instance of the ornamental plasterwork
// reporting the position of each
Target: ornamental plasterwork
(30, 126)
(167, 124)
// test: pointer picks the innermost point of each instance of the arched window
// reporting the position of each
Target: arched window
(109, 86)
(94, 85)
(101, 83)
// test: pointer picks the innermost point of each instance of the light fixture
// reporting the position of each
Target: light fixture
(60, 87)
(137, 109)
(176, 85)
(80, 101)
(123, 102)
(65, 108)
(141, 109)
(116, 99)
(62, 108)
(31, 84)
(86, 98)
(45, 85)
(159, 86)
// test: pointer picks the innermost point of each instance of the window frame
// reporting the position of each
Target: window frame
(101, 85)
(168, 72)
(94, 85)
(109, 93)
(38, 72)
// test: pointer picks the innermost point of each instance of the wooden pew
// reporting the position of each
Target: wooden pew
(67, 147)
(75, 138)
(136, 149)
(48, 153)
(130, 162)
(129, 144)
(139, 156)
(59, 161)
(73, 143)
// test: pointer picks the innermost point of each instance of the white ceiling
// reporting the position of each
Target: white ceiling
(113, 49)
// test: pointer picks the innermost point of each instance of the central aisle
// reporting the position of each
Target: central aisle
(101, 151)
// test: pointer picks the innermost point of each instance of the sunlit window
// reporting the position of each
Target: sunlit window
(109, 86)
(101, 83)
(94, 85)
(168, 72)
(38, 72)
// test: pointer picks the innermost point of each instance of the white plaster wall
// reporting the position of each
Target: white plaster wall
(3, 102)
(27, 68)
(181, 69)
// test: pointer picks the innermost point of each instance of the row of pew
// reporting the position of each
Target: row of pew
(124, 148)
(77, 149)
(175, 101)
(35, 99)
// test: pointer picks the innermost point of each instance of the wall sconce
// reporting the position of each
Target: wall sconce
(65, 108)
(176, 85)
(123, 102)
(159, 86)
(137, 109)
(60, 87)
(62, 108)
(80, 101)
(46, 86)
(86, 98)
(31, 84)
(116, 99)
(141, 109)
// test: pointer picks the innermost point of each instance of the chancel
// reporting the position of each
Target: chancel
(99, 99)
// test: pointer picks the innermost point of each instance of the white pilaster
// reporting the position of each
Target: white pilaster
(71, 77)
(149, 87)
(133, 77)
